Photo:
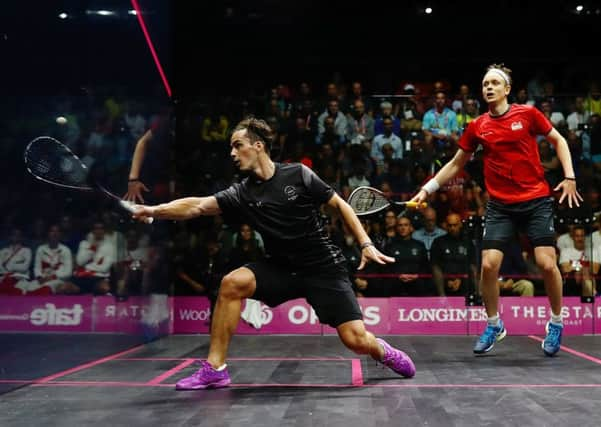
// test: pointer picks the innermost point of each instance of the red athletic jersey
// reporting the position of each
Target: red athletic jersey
(512, 168)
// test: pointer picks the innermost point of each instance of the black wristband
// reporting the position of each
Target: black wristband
(569, 178)
(366, 244)
(133, 180)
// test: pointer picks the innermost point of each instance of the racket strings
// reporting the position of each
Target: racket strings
(51, 161)
(365, 201)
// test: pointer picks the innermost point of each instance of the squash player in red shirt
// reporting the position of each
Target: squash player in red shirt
(520, 197)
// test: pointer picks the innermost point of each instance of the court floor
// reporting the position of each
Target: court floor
(299, 381)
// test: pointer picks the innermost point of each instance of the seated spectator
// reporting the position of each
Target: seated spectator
(214, 128)
(329, 135)
(386, 113)
(579, 266)
(578, 117)
(453, 258)
(467, 113)
(333, 129)
(440, 124)
(15, 263)
(357, 177)
(410, 123)
(430, 229)
(411, 264)
(70, 233)
(389, 232)
(554, 115)
(112, 236)
(523, 97)
(94, 260)
(300, 133)
(246, 248)
(386, 137)
(360, 125)
(53, 264)
(419, 154)
(357, 94)
(127, 274)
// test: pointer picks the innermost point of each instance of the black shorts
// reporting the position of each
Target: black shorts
(535, 217)
(329, 293)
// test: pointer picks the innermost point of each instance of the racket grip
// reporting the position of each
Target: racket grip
(129, 206)
(416, 205)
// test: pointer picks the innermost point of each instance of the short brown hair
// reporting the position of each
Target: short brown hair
(257, 130)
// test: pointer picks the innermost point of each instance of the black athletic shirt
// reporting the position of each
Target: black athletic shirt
(285, 210)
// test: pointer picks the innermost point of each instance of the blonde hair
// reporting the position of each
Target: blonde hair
(502, 71)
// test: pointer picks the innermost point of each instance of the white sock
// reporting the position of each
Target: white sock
(493, 320)
(556, 318)
(222, 367)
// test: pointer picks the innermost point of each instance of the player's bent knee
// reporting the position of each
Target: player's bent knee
(546, 265)
(240, 283)
(490, 266)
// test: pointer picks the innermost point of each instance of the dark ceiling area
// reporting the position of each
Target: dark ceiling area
(229, 46)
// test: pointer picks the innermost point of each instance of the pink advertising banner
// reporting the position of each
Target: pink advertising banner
(423, 316)
(133, 315)
(432, 316)
(375, 315)
(190, 315)
(46, 314)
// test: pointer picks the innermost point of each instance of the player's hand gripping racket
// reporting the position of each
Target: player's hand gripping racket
(368, 200)
(53, 162)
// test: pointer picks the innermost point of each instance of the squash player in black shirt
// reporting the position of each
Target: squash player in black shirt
(282, 202)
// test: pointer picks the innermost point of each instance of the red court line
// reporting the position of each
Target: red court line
(87, 365)
(269, 359)
(98, 384)
(309, 385)
(356, 373)
(155, 57)
(170, 372)
(571, 351)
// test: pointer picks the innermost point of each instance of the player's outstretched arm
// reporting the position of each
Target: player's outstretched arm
(448, 171)
(180, 209)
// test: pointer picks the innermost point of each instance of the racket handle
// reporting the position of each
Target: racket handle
(416, 205)
(127, 205)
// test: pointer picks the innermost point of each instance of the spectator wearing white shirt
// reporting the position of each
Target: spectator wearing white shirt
(555, 116)
(94, 260)
(53, 264)
(579, 116)
(15, 262)
(579, 265)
